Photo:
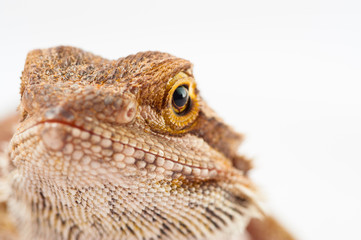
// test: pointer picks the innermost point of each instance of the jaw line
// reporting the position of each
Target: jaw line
(72, 125)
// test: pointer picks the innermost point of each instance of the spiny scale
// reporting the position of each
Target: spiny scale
(98, 155)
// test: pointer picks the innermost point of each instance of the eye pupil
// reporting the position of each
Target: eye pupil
(180, 97)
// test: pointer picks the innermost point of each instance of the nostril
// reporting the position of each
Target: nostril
(130, 112)
(127, 113)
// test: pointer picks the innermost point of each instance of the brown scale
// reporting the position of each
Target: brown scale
(74, 103)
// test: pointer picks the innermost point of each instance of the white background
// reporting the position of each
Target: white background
(285, 73)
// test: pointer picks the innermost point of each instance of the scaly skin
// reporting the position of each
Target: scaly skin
(100, 153)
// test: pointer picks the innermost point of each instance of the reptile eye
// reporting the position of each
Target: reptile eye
(181, 99)
(181, 106)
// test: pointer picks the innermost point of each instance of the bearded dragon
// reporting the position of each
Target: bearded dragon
(123, 149)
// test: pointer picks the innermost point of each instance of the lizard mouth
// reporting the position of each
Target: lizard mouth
(124, 152)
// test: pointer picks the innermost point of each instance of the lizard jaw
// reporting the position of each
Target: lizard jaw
(77, 144)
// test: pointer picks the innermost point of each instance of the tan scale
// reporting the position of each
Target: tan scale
(122, 149)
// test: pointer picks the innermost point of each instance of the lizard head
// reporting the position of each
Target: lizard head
(129, 141)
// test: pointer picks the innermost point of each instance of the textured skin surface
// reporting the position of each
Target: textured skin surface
(100, 153)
